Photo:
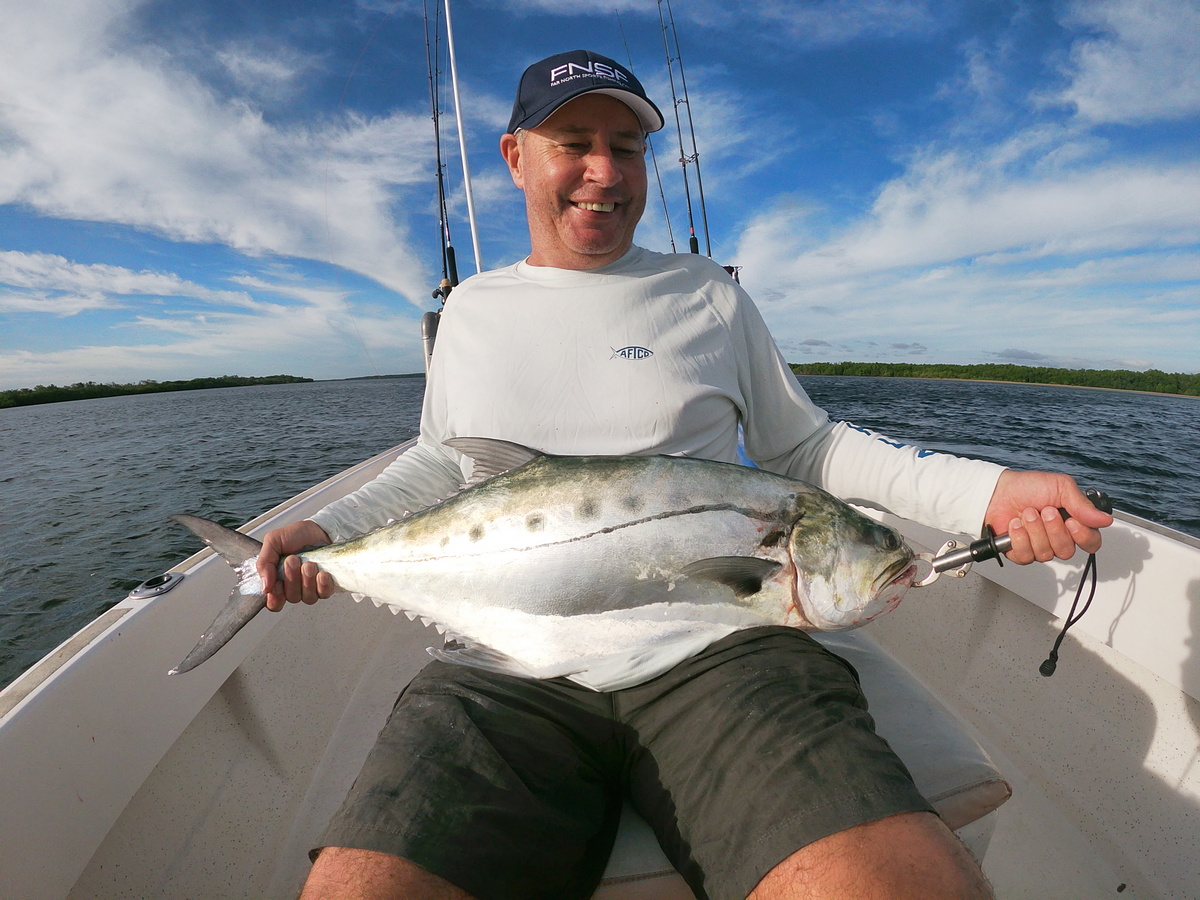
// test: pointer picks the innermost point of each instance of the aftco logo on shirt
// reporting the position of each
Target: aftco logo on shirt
(632, 353)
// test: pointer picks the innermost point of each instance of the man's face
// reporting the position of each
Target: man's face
(583, 172)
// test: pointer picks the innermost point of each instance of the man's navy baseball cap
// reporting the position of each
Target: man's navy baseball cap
(548, 84)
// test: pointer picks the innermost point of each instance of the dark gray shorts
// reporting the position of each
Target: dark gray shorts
(512, 788)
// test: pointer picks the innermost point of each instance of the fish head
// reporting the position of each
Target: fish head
(848, 567)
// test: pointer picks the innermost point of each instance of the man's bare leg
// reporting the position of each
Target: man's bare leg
(911, 855)
(347, 874)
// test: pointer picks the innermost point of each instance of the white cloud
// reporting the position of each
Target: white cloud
(265, 73)
(989, 250)
(61, 305)
(290, 327)
(1142, 66)
(955, 206)
(46, 271)
(97, 131)
(967, 311)
(51, 284)
(274, 321)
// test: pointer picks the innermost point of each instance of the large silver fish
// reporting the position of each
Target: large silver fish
(547, 566)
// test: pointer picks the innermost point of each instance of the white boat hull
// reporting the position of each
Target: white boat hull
(118, 780)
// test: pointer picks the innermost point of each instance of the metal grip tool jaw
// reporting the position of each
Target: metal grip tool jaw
(955, 559)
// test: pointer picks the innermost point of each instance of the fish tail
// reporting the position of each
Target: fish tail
(235, 548)
(246, 599)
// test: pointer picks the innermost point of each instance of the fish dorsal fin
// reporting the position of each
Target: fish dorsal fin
(490, 456)
(744, 574)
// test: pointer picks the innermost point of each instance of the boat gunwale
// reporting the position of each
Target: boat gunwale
(1157, 528)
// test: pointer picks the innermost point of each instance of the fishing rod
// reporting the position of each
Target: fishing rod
(430, 321)
(462, 141)
(684, 157)
(432, 62)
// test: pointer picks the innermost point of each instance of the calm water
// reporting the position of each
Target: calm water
(86, 487)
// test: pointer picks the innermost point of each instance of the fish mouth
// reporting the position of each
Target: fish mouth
(893, 585)
(900, 576)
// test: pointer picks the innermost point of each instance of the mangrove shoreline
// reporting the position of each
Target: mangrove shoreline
(90, 390)
(1152, 381)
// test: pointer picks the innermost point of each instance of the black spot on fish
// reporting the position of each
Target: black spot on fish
(535, 521)
(632, 503)
(588, 509)
(772, 538)
(476, 533)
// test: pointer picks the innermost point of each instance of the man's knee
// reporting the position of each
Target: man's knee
(911, 855)
(349, 874)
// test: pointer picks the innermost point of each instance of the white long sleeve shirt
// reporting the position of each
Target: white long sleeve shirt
(653, 354)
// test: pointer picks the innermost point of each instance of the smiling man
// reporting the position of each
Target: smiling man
(751, 755)
(583, 172)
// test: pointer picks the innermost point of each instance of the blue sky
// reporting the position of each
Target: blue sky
(203, 188)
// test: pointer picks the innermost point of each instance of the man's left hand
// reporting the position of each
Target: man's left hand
(1025, 506)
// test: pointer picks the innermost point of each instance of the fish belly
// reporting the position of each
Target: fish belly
(573, 598)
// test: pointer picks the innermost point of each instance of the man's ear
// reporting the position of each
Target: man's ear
(510, 149)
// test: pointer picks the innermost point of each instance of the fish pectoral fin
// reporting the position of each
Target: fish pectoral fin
(491, 457)
(743, 574)
(480, 657)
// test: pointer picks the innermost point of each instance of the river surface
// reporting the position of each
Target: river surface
(86, 487)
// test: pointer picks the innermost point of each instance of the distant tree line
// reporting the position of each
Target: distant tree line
(88, 390)
(1115, 379)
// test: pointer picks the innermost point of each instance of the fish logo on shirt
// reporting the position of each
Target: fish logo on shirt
(632, 352)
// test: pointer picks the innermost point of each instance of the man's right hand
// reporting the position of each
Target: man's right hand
(300, 582)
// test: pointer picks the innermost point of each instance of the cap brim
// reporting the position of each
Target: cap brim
(647, 113)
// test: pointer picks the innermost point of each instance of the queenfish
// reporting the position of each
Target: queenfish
(546, 566)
